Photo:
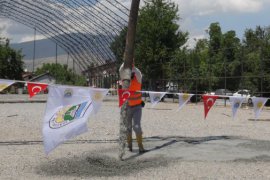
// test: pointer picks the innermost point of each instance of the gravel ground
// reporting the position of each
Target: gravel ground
(182, 144)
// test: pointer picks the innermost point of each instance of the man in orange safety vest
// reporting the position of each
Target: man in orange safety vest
(134, 111)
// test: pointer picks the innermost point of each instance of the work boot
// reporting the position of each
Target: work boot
(129, 142)
(140, 145)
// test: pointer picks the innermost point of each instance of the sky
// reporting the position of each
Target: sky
(195, 18)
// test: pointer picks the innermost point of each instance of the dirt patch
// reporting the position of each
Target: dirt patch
(95, 165)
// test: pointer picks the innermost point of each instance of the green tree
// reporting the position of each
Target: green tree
(158, 38)
(199, 65)
(256, 59)
(62, 74)
(215, 39)
(223, 59)
(231, 52)
(215, 61)
(161, 53)
(11, 64)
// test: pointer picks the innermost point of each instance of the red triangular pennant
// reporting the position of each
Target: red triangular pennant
(208, 101)
(34, 88)
(123, 95)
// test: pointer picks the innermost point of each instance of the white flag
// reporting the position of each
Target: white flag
(258, 104)
(97, 96)
(67, 111)
(155, 97)
(5, 83)
(236, 102)
(183, 99)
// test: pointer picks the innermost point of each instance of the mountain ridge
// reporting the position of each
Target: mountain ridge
(44, 48)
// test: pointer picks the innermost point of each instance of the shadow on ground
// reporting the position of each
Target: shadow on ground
(174, 139)
(190, 140)
(98, 164)
(265, 120)
(101, 163)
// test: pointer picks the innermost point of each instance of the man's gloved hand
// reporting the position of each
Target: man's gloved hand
(143, 103)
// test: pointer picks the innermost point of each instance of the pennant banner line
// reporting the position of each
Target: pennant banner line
(15, 81)
(91, 87)
(72, 95)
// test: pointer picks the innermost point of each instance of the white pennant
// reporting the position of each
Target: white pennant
(236, 102)
(97, 96)
(67, 111)
(258, 104)
(155, 97)
(183, 99)
(5, 83)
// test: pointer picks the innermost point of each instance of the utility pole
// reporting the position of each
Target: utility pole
(126, 76)
(34, 50)
(56, 53)
(73, 66)
(261, 73)
(67, 58)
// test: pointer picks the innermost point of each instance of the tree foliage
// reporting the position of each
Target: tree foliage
(157, 39)
(226, 62)
(220, 61)
(62, 74)
(11, 64)
(256, 54)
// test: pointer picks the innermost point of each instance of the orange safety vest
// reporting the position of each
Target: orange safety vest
(135, 98)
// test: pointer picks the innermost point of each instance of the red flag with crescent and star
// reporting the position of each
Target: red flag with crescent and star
(35, 88)
(208, 101)
(123, 95)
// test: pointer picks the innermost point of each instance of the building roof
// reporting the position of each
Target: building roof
(41, 75)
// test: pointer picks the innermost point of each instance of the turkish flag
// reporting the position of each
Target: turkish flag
(123, 95)
(34, 88)
(208, 101)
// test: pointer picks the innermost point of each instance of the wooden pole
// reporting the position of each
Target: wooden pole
(126, 76)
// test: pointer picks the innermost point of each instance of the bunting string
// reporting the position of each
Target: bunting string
(155, 97)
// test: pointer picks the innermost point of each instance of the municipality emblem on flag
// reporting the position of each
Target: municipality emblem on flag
(236, 103)
(68, 114)
(183, 99)
(155, 97)
(68, 93)
(97, 96)
(259, 103)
